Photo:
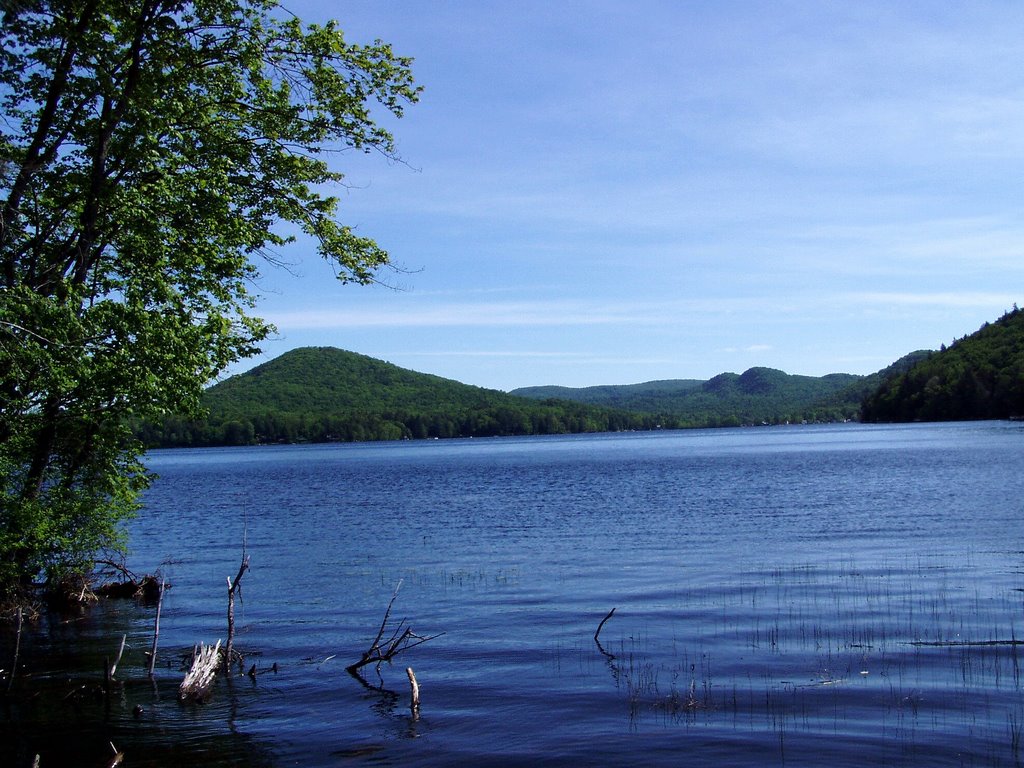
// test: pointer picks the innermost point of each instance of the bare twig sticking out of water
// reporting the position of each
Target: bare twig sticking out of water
(234, 586)
(109, 670)
(120, 653)
(414, 686)
(156, 626)
(17, 649)
(597, 635)
(401, 639)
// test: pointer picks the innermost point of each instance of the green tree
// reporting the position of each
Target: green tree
(152, 153)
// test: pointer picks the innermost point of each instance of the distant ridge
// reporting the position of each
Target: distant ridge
(322, 394)
(319, 394)
(652, 393)
(759, 395)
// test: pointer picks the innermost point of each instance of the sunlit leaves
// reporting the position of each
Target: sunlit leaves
(151, 152)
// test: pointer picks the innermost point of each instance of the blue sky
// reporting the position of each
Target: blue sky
(610, 193)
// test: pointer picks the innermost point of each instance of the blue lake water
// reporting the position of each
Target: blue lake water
(801, 595)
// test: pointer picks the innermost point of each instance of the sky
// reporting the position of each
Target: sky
(611, 193)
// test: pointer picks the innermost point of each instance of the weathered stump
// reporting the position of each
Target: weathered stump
(200, 676)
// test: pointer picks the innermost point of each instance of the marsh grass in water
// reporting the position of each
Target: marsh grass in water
(902, 659)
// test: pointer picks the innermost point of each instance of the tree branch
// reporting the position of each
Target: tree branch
(400, 640)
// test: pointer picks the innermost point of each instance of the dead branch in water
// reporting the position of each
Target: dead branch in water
(597, 635)
(234, 586)
(120, 653)
(199, 678)
(414, 689)
(17, 649)
(124, 584)
(156, 627)
(401, 639)
(119, 567)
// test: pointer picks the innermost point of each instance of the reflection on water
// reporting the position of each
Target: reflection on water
(783, 596)
(61, 708)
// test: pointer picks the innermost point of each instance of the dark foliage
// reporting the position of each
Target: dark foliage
(980, 376)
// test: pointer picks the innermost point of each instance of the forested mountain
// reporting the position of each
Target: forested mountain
(980, 376)
(753, 397)
(318, 394)
(649, 396)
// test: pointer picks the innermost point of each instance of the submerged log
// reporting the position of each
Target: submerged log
(199, 679)
(117, 590)
(147, 589)
(72, 591)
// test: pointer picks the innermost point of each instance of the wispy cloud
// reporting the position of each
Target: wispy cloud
(702, 311)
(753, 348)
(976, 299)
(569, 357)
(463, 314)
(561, 355)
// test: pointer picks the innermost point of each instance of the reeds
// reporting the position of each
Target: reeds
(814, 650)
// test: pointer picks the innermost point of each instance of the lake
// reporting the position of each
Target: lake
(790, 596)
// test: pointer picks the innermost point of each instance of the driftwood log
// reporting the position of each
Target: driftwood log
(129, 585)
(146, 589)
